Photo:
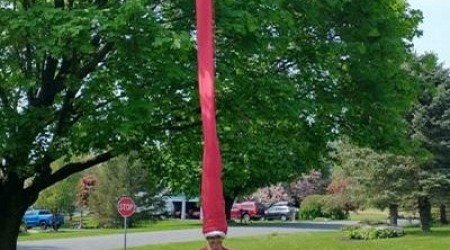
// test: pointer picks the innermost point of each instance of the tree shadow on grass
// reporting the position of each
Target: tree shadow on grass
(443, 231)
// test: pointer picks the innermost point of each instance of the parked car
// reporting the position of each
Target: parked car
(42, 218)
(281, 211)
(248, 210)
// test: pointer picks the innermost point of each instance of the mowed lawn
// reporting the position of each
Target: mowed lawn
(167, 225)
(439, 239)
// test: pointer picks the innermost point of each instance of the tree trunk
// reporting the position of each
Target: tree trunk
(80, 226)
(425, 213)
(393, 214)
(9, 231)
(12, 208)
(228, 205)
(443, 214)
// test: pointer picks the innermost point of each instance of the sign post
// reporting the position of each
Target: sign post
(126, 208)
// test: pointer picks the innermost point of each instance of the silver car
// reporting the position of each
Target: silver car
(281, 211)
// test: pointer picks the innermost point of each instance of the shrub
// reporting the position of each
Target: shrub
(311, 207)
(326, 206)
(367, 232)
(334, 208)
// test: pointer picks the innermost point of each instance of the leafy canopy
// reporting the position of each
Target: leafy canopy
(91, 79)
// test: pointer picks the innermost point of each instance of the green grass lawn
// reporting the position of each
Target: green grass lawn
(439, 239)
(369, 215)
(71, 233)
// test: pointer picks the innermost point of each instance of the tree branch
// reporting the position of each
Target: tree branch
(97, 58)
(67, 107)
(49, 69)
(46, 94)
(64, 70)
(28, 60)
(4, 97)
(20, 60)
(64, 113)
(46, 180)
(75, 167)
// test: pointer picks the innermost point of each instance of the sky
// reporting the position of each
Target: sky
(435, 27)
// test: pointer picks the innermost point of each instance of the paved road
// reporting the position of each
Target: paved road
(116, 241)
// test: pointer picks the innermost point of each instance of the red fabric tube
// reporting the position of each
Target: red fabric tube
(212, 201)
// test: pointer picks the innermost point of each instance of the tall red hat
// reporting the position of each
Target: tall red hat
(212, 201)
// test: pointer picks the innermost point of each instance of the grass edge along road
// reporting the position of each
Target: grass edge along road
(439, 239)
(168, 225)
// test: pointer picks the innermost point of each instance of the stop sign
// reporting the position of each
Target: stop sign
(126, 206)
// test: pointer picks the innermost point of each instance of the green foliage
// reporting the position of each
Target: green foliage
(335, 208)
(127, 71)
(287, 78)
(325, 206)
(312, 206)
(429, 123)
(61, 196)
(376, 179)
(123, 176)
(367, 232)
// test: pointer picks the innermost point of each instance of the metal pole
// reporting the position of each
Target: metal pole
(125, 234)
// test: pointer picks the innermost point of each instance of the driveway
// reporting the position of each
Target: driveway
(116, 241)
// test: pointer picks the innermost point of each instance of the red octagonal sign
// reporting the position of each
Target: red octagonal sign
(126, 206)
